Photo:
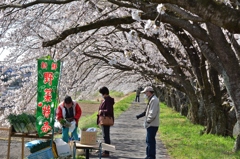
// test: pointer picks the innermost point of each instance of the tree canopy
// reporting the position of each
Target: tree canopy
(191, 46)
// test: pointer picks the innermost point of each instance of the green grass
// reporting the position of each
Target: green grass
(116, 94)
(183, 140)
(119, 107)
(80, 157)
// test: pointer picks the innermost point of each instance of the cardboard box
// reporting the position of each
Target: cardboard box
(63, 148)
(88, 137)
(108, 147)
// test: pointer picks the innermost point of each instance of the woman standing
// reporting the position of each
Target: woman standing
(106, 108)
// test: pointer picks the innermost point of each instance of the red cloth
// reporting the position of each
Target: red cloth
(77, 113)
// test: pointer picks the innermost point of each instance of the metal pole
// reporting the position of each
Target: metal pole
(100, 150)
(74, 149)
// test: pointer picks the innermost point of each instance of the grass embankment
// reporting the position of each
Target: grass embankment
(183, 140)
(119, 107)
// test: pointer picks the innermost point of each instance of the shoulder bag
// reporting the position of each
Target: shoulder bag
(105, 120)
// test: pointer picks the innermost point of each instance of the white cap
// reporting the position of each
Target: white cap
(148, 89)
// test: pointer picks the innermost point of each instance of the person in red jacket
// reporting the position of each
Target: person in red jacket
(68, 110)
(106, 108)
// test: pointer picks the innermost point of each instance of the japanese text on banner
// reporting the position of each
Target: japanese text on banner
(48, 75)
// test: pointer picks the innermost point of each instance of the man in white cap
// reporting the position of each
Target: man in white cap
(151, 122)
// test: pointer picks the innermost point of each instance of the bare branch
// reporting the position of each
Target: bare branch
(99, 24)
(183, 13)
(22, 6)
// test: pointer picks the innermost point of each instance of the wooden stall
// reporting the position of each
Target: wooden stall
(22, 136)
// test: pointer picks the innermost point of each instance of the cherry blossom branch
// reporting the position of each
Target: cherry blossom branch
(210, 11)
(98, 24)
(127, 5)
(4, 6)
(183, 13)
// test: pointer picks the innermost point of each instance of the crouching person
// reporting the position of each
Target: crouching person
(67, 112)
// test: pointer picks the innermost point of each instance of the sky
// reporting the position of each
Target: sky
(3, 54)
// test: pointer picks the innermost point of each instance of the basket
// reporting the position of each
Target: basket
(42, 154)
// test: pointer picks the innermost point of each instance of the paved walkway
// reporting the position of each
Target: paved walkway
(128, 135)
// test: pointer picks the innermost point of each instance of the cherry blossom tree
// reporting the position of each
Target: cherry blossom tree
(189, 45)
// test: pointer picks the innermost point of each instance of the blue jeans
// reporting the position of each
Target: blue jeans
(151, 142)
(65, 134)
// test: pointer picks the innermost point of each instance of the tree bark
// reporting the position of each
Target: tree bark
(237, 144)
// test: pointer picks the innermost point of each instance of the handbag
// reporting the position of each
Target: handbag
(105, 120)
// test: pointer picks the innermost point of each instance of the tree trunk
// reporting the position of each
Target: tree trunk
(194, 105)
(237, 144)
(193, 109)
(169, 103)
(216, 119)
(231, 121)
(230, 68)
(182, 102)
(174, 102)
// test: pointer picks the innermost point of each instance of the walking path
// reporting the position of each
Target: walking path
(128, 135)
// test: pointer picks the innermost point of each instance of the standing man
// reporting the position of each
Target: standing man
(68, 110)
(151, 122)
(137, 99)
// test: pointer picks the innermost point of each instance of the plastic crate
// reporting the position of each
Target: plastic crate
(42, 154)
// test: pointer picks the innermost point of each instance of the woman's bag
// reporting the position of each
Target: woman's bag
(106, 120)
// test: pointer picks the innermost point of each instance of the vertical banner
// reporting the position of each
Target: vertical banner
(48, 75)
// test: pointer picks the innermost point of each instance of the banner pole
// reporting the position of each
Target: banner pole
(57, 102)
